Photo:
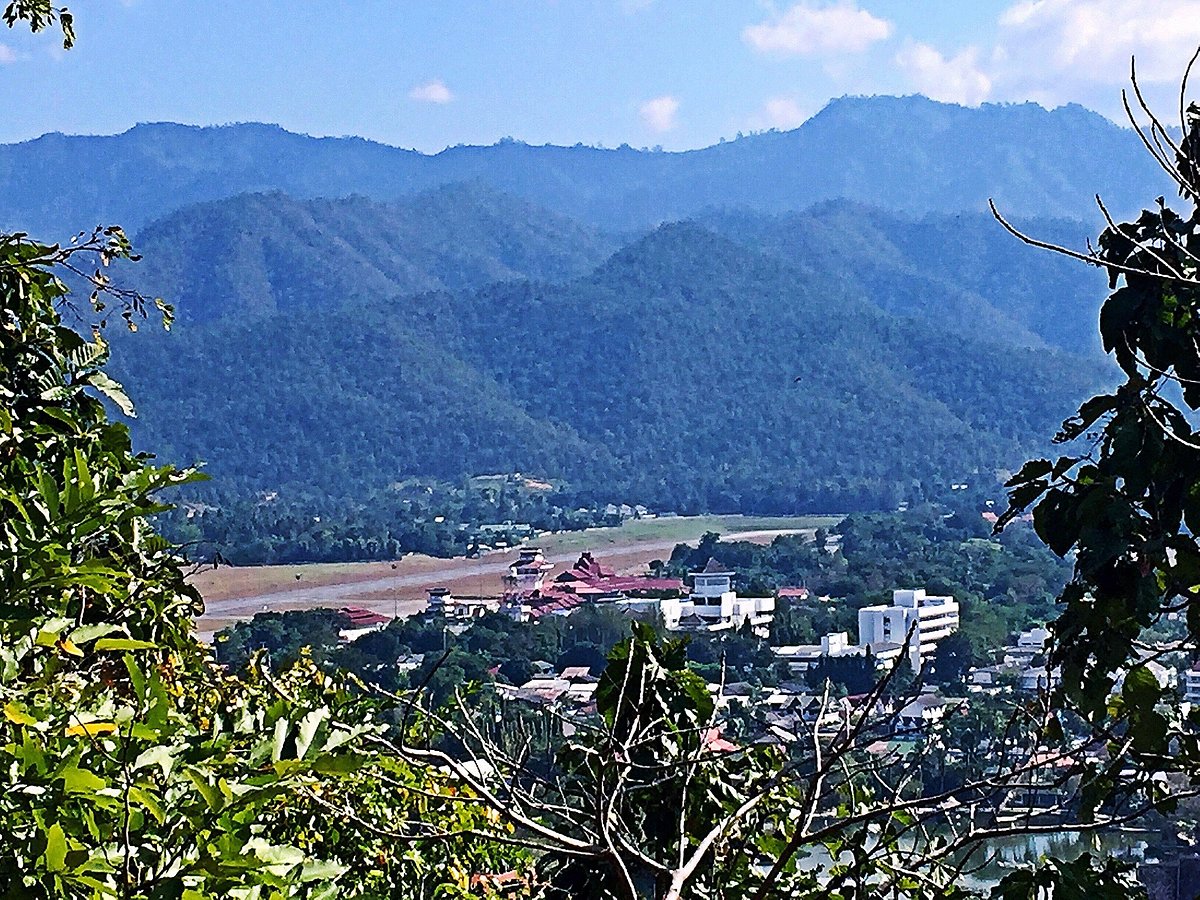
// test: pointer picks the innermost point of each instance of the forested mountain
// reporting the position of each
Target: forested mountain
(908, 154)
(256, 254)
(961, 272)
(689, 370)
(829, 319)
(263, 253)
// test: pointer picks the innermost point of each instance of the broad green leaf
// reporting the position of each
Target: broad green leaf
(81, 781)
(90, 632)
(307, 730)
(15, 713)
(123, 644)
(55, 855)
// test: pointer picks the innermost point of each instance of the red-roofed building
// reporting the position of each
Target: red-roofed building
(717, 744)
(588, 581)
(793, 593)
(361, 621)
(590, 576)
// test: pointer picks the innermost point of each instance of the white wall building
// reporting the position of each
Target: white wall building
(527, 574)
(714, 605)
(460, 609)
(1029, 644)
(1190, 683)
(929, 619)
(802, 657)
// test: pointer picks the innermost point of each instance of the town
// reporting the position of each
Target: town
(897, 670)
(909, 630)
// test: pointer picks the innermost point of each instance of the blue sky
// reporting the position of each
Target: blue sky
(676, 73)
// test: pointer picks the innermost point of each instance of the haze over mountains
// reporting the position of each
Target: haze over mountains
(909, 155)
(817, 319)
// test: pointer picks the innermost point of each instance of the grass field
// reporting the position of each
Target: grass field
(243, 581)
(679, 528)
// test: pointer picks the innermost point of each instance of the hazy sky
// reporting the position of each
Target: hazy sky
(680, 73)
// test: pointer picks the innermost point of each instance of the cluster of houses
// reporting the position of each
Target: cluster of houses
(912, 625)
(1024, 666)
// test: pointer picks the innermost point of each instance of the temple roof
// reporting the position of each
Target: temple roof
(712, 567)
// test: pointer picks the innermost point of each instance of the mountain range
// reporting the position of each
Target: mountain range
(904, 154)
(811, 320)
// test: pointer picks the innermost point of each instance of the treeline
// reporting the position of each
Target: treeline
(419, 516)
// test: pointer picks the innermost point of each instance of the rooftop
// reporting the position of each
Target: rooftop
(712, 567)
(363, 618)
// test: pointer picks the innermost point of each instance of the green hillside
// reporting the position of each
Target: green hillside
(961, 272)
(690, 370)
(262, 253)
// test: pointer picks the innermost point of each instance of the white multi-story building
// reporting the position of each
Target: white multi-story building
(714, 605)
(928, 620)
(528, 573)
(1190, 683)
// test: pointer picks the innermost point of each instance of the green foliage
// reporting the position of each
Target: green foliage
(853, 674)
(281, 636)
(656, 711)
(1122, 504)
(1084, 878)
(953, 659)
(420, 516)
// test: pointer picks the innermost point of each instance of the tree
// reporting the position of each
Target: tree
(282, 636)
(644, 801)
(953, 659)
(1125, 500)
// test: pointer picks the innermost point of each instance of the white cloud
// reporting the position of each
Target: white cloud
(1094, 39)
(784, 113)
(957, 79)
(659, 113)
(7, 55)
(431, 92)
(816, 30)
(1058, 51)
